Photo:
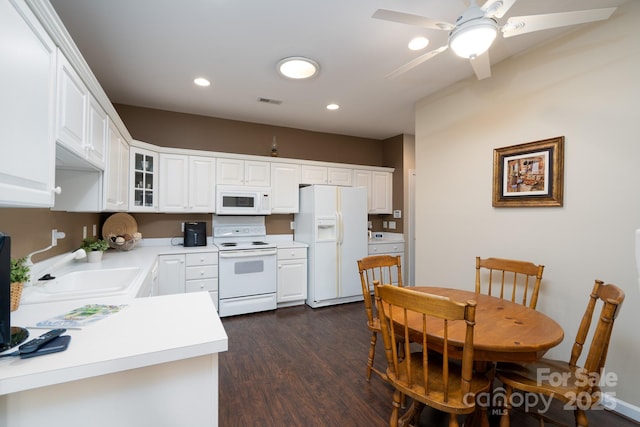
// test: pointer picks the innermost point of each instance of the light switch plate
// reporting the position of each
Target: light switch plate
(392, 225)
(384, 224)
(397, 213)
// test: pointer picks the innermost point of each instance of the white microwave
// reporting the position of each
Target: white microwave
(239, 200)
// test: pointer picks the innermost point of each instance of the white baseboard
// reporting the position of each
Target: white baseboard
(621, 407)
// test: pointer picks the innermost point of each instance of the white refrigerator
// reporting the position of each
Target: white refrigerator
(333, 222)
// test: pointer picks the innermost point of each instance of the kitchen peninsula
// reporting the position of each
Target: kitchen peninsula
(153, 363)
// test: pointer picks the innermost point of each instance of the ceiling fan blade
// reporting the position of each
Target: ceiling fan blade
(481, 66)
(417, 61)
(407, 18)
(497, 8)
(517, 25)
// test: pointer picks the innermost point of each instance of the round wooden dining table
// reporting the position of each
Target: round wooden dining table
(505, 331)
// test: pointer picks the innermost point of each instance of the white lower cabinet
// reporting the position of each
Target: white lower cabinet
(192, 272)
(393, 249)
(292, 276)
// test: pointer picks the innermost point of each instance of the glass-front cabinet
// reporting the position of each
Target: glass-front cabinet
(144, 180)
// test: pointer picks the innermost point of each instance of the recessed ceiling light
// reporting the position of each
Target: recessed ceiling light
(418, 43)
(298, 67)
(201, 81)
(333, 107)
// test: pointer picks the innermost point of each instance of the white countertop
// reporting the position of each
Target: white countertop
(147, 332)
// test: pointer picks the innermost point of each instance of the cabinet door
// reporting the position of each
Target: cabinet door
(96, 134)
(292, 280)
(230, 171)
(285, 194)
(27, 99)
(72, 99)
(174, 183)
(381, 193)
(143, 180)
(257, 173)
(171, 274)
(202, 184)
(340, 176)
(313, 174)
(362, 178)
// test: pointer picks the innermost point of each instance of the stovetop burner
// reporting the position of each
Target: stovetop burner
(229, 244)
(259, 243)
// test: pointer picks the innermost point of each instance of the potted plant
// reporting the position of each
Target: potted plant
(19, 275)
(94, 248)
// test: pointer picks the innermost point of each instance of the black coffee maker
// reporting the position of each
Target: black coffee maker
(195, 234)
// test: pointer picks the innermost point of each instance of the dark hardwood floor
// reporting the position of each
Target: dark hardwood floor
(301, 366)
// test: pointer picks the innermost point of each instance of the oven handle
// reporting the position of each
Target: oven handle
(247, 253)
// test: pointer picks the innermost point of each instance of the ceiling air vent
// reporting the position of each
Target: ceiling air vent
(270, 101)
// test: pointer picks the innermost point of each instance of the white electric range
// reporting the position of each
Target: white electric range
(246, 266)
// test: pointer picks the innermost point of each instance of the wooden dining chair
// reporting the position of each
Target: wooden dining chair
(500, 277)
(379, 269)
(579, 385)
(427, 377)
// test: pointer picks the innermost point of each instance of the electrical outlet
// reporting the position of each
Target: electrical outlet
(369, 225)
(84, 232)
(384, 224)
(392, 225)
(292, 225)
(95, 230)
(182, 227)
(397, 213)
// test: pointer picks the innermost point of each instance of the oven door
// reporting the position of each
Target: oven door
(247, 272)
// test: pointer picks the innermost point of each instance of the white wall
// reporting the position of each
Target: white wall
(583, 86)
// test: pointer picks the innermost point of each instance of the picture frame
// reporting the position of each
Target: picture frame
(529, 174)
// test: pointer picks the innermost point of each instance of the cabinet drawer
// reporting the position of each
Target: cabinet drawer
(201, 285)
(385, 248)
(202, 258)
(292, 253)
(201, 272)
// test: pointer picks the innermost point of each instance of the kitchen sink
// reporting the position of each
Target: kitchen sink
(83, 284)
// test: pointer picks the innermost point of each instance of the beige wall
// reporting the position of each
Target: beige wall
(170, 129)
(583, 86)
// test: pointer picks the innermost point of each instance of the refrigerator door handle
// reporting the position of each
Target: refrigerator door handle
(340, 230)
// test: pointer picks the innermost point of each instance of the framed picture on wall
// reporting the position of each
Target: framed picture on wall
(529, 174)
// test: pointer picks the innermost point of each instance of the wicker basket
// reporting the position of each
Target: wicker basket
(126, 246)
(16, 293)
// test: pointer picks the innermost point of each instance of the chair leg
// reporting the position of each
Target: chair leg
(504, 419)
(453, 420)
(393, 421)
(372, 354)
(581, 418)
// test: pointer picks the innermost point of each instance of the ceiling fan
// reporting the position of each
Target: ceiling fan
(474, 31)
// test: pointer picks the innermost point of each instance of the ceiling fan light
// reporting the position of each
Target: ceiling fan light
(473, 40)
(298, 67)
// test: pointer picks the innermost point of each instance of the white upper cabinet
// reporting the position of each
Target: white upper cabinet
(340, 176)
(97, 133)
(143, 180)
(187, 183)
(72, 100)
(312, 174)
(81, 123)
(243, 172)
(116, 172)
(381, 193)
(379, 189)
(285, 195)
(202, 184)
(27, 106)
